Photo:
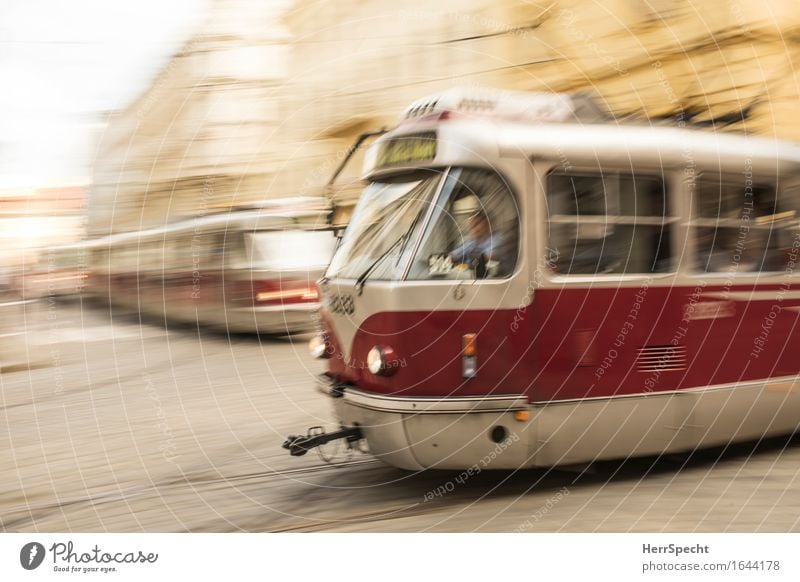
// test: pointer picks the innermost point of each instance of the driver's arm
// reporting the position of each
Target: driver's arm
(461, 254)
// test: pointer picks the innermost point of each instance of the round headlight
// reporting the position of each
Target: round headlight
(318, 347)
(381, 361)
(376, 362)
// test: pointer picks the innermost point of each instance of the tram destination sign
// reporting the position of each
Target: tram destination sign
(407, 149)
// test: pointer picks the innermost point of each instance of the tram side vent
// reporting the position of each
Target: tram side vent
(661, 359)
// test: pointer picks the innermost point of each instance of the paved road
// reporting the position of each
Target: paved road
(130, 426)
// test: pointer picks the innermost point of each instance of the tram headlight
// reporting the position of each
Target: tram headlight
(381, 361)
(318, 347)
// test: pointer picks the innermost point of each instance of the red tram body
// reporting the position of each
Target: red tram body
(648, 304)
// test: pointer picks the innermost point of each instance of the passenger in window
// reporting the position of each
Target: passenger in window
(481, 249)
(726, 251)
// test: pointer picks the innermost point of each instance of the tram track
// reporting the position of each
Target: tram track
(34, 512)
(121, 379)
(389, 514)
(386, 514)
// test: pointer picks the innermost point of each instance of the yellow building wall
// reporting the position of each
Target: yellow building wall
(265, 107)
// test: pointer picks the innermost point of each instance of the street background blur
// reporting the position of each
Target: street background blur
(122, 118)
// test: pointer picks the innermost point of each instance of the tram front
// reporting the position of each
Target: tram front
(423, 317)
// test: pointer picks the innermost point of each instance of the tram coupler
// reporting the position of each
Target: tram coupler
(299, 445)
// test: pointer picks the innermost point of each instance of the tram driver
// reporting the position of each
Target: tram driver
(474, 232)
(481, 245)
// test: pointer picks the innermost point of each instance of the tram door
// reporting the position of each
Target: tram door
(743, 232)
(605, 316)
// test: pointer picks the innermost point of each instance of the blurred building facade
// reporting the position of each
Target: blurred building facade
(361, 63)
(201, 137)
(214, 132)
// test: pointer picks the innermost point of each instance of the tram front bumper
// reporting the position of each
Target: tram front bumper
(417, 433)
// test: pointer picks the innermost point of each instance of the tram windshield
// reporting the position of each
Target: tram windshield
(403, 229)
(389, 214)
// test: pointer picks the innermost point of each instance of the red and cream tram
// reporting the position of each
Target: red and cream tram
(629, 290)
(245, 270)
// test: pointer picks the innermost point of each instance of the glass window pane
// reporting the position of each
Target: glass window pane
(753, 227)
(642, 196)
(734, 201)
(474, 231)
(384, 227)
(578, 195)
(588, 249)
(630, 235)
(725, 249)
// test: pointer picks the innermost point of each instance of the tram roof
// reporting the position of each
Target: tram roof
(656, 144)
(475, 125)
(276, 214)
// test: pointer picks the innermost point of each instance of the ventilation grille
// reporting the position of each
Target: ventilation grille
(661, 358)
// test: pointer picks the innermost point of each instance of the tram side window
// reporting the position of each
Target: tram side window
(740, 227)
(608, 223)
(474, 232)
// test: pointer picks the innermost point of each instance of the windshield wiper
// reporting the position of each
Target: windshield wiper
(408, 234)
(362, 278)
(404, 238)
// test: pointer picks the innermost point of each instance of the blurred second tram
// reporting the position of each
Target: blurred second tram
(242, 271)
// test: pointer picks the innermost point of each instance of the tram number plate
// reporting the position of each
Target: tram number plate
(407, 149)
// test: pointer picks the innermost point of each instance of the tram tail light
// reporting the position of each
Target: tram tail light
(284, 291)
(469, 355)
